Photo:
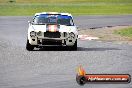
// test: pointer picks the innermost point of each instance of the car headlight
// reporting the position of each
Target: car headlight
(32, 34)
(65, 34)
(72, 34)
(39, 33)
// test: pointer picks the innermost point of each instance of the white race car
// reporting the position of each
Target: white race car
(52, 29)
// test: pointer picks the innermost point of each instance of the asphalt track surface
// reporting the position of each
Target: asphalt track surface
(56, 68)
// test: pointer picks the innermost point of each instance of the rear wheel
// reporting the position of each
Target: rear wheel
(29, 47)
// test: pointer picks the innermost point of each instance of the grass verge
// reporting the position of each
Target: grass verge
(23, 9)
(125, 32)
(111, 34)
(65, 1)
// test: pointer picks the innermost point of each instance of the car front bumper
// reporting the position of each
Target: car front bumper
(45, 41)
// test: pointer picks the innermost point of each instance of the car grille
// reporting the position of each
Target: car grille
(52, 34)
(51, 42)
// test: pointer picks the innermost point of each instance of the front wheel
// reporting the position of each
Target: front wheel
(74, 47)
(29, 47)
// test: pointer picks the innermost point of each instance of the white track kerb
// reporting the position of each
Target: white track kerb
(87, 37)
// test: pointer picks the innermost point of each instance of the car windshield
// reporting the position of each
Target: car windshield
(53, 19)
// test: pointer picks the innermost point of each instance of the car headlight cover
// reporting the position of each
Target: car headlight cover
(72, 34)
(32, 34)
(39, 33)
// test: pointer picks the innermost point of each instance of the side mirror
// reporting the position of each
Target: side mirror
(29, 22)
(77, 27)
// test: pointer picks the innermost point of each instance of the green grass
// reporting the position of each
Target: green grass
(125, 32)
(66, 1)
(75, 7)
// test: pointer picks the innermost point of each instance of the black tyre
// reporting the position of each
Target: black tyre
(74, 47)
(29, 47)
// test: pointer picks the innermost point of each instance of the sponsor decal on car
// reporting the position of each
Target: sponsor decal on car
(52, 28)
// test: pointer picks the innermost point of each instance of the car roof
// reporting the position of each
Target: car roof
(68, 14)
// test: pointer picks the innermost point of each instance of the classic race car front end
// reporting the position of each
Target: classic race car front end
(63, 36)
(51, 35)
